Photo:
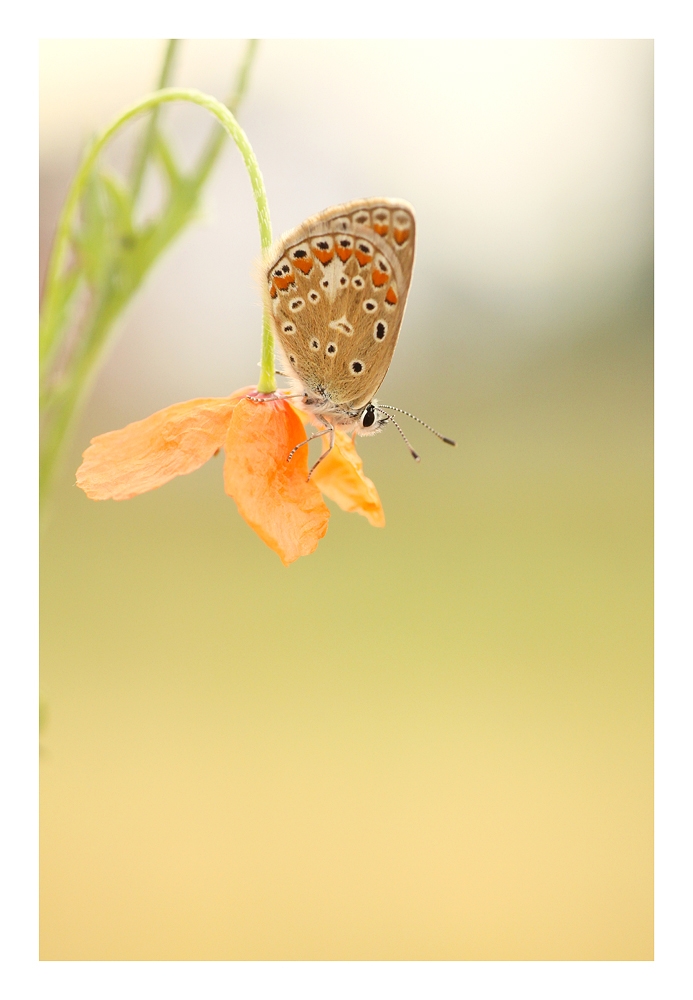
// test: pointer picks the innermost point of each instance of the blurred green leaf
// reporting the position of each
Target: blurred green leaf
(112, 256)
(106, 239)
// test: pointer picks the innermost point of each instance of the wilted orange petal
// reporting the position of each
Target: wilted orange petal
(340, 477)
(144, 455)
(274, 496)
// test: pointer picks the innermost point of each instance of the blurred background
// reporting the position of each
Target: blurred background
(431, 741)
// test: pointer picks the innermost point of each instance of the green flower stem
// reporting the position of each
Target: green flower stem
(148, 139)
(66, 222)
(216, 141)
(61, 399)
(267, 381)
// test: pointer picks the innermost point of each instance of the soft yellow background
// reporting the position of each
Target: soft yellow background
(432, 741)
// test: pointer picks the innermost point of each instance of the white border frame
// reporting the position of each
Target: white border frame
(669, 974)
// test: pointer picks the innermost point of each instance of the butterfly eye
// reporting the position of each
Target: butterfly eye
(357, 282)
(362, 219)
(343, 281)
(356, 367)
(331, 348)
(289, 328)
(314, 297)
(315, 344)
(368, 416)
(369, 305)
(296, 305)
(379, 330)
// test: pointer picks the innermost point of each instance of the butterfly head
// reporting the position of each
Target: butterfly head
(366, 419)
(370, 419)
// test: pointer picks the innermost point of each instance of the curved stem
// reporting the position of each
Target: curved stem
(148, 138)
(215, 143)
(65, 224)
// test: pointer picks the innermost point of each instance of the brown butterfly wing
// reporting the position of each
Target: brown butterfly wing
(337, 288)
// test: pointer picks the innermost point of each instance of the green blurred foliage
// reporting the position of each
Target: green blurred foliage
(111, 254)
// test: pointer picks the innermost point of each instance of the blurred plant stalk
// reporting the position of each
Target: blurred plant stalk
(96, 269)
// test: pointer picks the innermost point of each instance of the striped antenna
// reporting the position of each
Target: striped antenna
(422, 422)
(388, 416)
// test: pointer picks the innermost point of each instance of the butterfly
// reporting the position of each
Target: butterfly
(336, 289)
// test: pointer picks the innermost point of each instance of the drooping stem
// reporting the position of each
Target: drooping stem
(215, 107)
(216, 141)
(62, 392)
(145, 147)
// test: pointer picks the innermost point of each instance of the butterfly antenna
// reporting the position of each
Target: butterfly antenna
(406, 439)
(422, 422)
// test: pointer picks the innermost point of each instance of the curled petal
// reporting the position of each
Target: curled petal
(144, 455)
(273, 495)
(340, 477)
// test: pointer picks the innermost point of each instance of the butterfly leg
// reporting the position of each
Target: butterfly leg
(328, 430)
(312, 438)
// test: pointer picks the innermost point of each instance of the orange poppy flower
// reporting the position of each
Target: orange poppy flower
(257, 432)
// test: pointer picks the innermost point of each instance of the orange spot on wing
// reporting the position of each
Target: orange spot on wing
(381, 229)
(324, 256)
(363, 258)
(379, 278)
(391, 296)
(344, 253)
(273, 291)
(274, 496)
(340, 477)
(304, 264)
(284, 281)
(401, 236)
(148, 453)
